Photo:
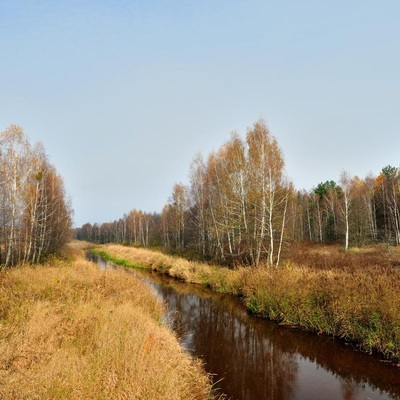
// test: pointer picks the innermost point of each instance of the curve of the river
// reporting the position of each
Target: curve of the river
(251, 358)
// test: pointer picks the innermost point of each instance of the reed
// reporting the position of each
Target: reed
(220, 279)
(71, 331)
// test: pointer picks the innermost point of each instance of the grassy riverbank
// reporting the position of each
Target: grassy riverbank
(351, 295)
(71, 331)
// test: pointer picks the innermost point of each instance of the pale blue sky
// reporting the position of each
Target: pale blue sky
(123, 94)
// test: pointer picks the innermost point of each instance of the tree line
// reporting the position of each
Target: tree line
(35, 215)
(136, 227)
(240, 207)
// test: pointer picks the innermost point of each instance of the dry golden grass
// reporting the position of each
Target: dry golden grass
(218, 278)
(70, 331)
(352, 295)
(75, 249)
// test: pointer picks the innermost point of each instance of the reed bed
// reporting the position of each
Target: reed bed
(218, 278)
(352, 295)
(71, 331)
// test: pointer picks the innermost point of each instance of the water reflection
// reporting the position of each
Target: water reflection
(227, 341)
(257, 359)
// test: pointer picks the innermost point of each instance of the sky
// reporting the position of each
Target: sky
(124, 94)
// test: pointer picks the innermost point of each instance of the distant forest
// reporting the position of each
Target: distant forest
(35, 215)
(241, 208)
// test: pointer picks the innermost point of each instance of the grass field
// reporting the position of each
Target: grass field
(71, 331)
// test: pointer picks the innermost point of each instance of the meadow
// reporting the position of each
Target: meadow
(71, 331)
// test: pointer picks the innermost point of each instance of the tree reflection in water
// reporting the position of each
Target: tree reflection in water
(258, 359)
(219, 333)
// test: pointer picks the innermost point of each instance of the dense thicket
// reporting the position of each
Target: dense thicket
(241, 208)
(35, 216)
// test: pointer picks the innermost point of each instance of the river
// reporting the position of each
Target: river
(254, 359)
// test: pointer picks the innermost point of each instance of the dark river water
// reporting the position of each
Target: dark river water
(255, 359)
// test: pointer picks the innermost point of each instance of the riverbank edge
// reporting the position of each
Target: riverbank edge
(70, 330)
(369, 328)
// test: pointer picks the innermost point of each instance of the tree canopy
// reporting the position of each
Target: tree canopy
(35, 215)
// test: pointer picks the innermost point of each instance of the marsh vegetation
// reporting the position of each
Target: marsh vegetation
(350, 295)
(69, 331)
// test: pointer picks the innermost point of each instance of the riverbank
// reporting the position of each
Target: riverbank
(350, 295)
(69, 330)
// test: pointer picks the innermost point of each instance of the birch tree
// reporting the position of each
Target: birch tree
(347, 199)
(198, 203)
(35, 214)
(15, 169)
(266, 166)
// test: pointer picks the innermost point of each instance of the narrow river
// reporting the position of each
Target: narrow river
(251, 358)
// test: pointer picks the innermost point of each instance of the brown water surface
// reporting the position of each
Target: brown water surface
(254, 359)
